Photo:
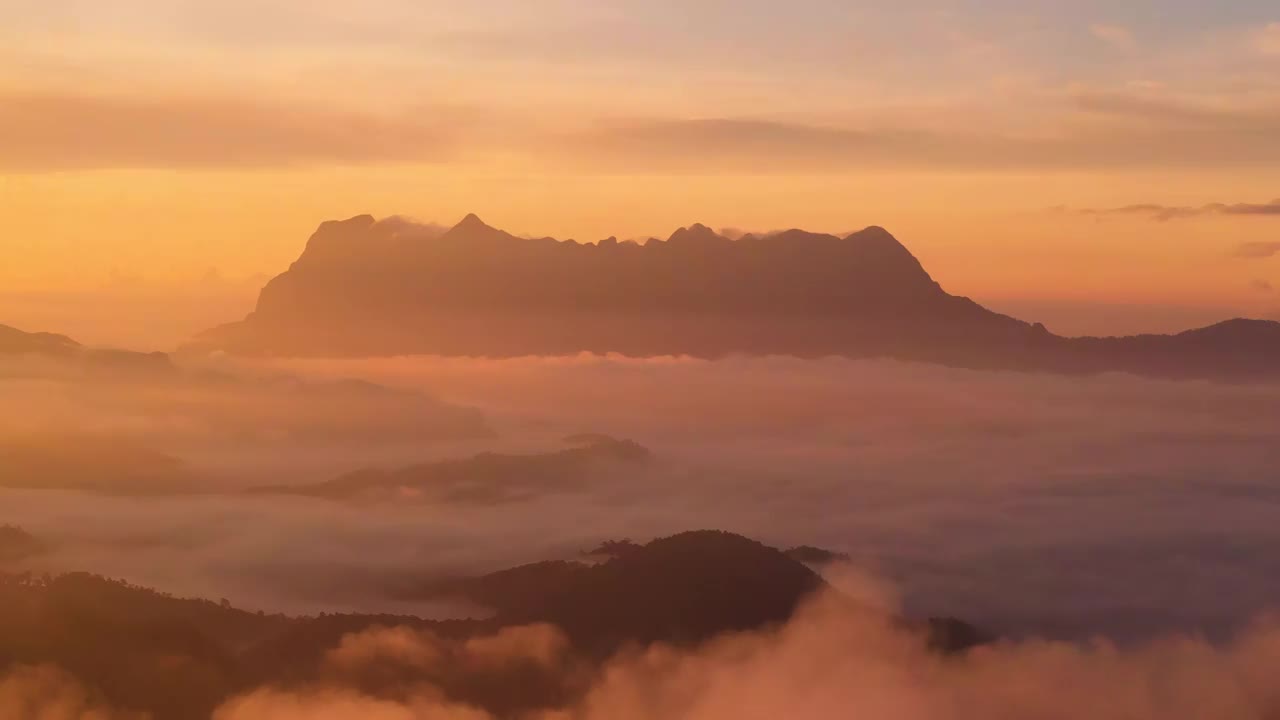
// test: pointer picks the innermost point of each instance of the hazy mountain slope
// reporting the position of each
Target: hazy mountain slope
(15, 341)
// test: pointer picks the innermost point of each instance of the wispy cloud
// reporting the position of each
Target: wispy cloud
(1117, 36)
(1257, 250)
(58, 131)
(1267, 40)
(1178, 212)
(1089, 127)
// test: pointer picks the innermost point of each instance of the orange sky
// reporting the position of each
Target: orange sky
(154, 147)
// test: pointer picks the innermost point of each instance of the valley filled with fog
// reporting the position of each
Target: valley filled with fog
(1027, 504)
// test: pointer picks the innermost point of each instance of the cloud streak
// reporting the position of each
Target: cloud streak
(1117, 36)
(48, 131)
(60, 131)
(1267, 40)
(1166, 213)
(1257, 250)
(1078, 131)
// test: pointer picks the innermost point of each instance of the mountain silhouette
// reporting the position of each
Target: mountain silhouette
(14, 342)
(179, 658)
(682, 589)
(60, 348)
(364, 287)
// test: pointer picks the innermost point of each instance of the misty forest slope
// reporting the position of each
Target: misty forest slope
(180, 658)
(364, 287)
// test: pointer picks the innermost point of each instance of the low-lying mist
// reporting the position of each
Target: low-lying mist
(126, 422)
(829, 664)
(826, 662)
(1028, 504)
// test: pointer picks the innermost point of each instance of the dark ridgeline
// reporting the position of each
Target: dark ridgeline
(365, 287)
(180, 658)
(684, 589)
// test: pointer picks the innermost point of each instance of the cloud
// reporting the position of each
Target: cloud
(1262, 286)
(45, 131)
(1267, 40)
(1077, 130)
(734, 233)
(1117, 36)
(1164, 113)
(341, 704)
(50, 131)
(1163, 213)
(1264, 209)
(828, 662)
(423, 651)
(401, 646)
(47, 693)
(940, 460)
(1257, 250)
(540, 645)
(1157, 212)
(397, 673)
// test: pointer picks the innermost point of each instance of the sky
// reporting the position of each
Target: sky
(1102, 166)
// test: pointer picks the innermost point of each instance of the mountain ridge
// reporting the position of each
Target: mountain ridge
(124, 640)
(368, 287)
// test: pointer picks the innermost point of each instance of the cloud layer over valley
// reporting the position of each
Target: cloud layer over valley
(1154, 502)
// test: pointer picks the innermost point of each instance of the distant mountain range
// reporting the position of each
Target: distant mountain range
(364, 287)
(15, 342)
